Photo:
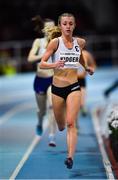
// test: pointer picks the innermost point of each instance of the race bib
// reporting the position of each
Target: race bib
(71, 59)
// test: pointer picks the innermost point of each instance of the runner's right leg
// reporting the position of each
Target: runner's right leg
(41, 110)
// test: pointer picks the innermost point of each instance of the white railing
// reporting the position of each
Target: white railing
(104, 48)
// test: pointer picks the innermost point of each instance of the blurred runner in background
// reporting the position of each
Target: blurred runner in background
(43, 79)
(82, 79)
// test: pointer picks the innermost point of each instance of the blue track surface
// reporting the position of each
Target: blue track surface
(48, 163)
(17, 130)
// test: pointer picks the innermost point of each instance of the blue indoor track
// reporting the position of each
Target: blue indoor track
(24, 155)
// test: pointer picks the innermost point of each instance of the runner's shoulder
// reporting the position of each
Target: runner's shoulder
(81, 42)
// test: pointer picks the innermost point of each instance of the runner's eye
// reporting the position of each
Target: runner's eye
(71, 24)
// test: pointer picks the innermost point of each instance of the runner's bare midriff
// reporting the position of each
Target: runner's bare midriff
(64, 77)
(45, 72)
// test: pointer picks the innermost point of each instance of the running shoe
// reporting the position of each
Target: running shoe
(69, 163)
(39, 130)
(52, 144)
(52, 141)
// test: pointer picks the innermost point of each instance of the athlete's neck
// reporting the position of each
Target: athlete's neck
(67, 38)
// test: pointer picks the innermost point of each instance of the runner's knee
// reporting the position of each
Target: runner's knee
(70, 124)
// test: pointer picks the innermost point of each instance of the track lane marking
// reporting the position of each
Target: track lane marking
(14, 110)
(25, 157)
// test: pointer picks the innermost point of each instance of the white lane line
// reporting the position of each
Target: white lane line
(16, 109)
(106, 161)
(28, 152)
(25, 157)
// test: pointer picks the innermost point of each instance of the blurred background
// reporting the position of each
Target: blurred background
(96, 21)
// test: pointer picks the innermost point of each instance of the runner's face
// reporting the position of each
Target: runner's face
(67, 25)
